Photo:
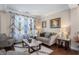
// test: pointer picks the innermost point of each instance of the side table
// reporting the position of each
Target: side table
(63, 43)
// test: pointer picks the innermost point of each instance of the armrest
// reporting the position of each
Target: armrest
(10, 41)
(5, 43)
(53, 38)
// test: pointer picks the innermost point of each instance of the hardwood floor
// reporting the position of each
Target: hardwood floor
(62, 51)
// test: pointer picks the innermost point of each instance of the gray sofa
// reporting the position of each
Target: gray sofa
(5, 41)
(47, 38)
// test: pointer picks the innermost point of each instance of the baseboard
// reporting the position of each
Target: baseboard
(74, 48)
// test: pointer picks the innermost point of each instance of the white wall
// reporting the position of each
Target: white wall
(5, 22)
(65, 19)
(74, 20)
(74, 26)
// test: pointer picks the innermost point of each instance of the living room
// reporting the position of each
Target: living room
(27, 29)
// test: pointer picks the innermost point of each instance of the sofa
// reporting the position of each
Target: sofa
(5, 41)
(47, 38)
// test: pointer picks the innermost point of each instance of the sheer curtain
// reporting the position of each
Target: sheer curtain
(22, 26)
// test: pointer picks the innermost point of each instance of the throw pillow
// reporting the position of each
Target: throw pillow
(47, 35)
(42, 34)
(3, 37)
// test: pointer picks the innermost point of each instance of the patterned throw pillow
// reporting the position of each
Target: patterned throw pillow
(47, 35)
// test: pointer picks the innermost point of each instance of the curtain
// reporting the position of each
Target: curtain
(22, 26)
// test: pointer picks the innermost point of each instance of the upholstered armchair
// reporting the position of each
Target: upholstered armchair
(5, 41)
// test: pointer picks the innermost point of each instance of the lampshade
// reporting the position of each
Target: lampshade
(65, 29)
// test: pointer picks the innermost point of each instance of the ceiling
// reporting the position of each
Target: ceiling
(37, 9)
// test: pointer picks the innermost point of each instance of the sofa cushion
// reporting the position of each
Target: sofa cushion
(43, 39)
(48, 35)
(54, 33)
(42, 34)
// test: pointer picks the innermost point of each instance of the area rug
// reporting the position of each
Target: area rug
(24, 51)
(43, 51)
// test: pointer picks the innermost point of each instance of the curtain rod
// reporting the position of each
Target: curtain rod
(20, 13)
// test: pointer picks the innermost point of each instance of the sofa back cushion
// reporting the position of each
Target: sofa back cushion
(48, 34)
(42, 34)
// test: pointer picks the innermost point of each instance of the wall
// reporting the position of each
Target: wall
(74, 21)
(74, 26)
(5, 22)
(65, 19)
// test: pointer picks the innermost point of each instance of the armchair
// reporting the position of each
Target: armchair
(5, 41)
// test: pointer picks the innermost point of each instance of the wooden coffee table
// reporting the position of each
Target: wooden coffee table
(31, 46)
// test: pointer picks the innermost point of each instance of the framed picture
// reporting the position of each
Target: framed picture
(55, 23)
(44, 24)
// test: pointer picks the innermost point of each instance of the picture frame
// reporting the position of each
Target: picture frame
(55, 23)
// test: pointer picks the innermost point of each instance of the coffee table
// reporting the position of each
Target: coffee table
(31, 46)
